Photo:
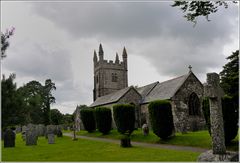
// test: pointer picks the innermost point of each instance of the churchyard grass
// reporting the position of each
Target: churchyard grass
(200, 139)
(65, 149)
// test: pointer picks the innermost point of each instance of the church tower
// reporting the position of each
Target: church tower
(109, 76)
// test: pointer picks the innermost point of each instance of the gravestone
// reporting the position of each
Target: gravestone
(18, 129)
(218, 152)
(31, 135)
(51, 138)
(145, 129)
(41, 129)
(50, 130)
(24, 129)
(9, 138)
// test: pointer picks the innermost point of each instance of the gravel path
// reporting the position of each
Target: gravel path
(163, 146)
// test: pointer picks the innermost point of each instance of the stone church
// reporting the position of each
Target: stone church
(111, 87)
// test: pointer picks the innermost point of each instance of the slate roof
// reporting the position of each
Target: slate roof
(145, 90)
(110, 98)
(153, 91)
(166, 89)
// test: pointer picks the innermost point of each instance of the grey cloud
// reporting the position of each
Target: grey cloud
(32, 59)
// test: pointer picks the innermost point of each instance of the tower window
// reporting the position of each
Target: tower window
(194, 104)
(114, 77)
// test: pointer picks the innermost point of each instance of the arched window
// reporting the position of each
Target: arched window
(194, 104)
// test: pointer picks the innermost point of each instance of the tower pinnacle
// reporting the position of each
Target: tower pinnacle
(100, 52)
(124, 54)
(117, 58)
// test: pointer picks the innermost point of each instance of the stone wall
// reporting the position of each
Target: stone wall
(132, 96)
(182, 120)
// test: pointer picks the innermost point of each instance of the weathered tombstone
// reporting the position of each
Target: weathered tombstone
(145, 129)
(41, 129)
(218, 152)
(31, 135)
(18, 129)
(24, 129)
(50, 130)
(9, 138)
(51, 138)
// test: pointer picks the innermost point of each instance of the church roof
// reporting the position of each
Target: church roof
(110, 98)
(150, 92)
(166, 89)
(145, 90)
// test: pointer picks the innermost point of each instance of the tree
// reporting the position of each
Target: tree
(88, 119)
(104, 119)
(32, 94)
(124, 117)
(48, 100)
(195, 9)
(161, 118)
(4, 41)
(13, 112)
(56, 117)
(230, 77)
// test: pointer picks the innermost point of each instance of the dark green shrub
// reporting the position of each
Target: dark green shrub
(230, 118)
(124, 116)
(103, 119)
(88, 119)
(161, 118)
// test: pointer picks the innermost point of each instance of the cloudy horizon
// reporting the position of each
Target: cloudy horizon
(56, 40)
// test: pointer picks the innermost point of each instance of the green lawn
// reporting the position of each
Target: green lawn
(200, 139)
(87, 150)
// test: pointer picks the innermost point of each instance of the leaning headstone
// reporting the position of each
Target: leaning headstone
(145, 129)
(31, 135)
(218, 152)
(51, 138)
(9, 138)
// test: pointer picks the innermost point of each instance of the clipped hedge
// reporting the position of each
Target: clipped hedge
(88, 119)
(230, 117)
(103, 119)
(124, 116)
(161, 118)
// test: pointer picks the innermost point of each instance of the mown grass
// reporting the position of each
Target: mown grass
(200, 139)
(65, 149)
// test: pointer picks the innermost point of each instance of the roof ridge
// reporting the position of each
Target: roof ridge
(174, 78)
(155, 84)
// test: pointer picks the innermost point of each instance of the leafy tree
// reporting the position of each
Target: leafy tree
(12, 104)
(4, 41)
(68, 119)
(32, 94)
(230, 77)
(48, 100)
(194, 9)
(56, 117)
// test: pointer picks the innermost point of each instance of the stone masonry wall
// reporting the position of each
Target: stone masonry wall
(182, 120)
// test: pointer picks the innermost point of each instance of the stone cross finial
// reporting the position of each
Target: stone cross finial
(216, 117)
(190, 68)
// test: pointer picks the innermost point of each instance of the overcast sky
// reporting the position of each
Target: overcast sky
(56, 40)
